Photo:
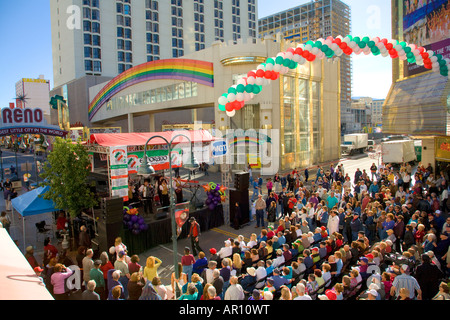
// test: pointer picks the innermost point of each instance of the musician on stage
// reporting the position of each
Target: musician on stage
(178, 185)
(146, 195)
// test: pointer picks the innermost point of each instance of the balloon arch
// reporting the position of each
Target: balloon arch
(245, 89)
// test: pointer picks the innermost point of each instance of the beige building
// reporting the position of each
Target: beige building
(299, 113)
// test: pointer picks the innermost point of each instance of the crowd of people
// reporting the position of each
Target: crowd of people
(380, 235)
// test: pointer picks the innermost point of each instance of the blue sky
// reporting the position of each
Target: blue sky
(26, 50)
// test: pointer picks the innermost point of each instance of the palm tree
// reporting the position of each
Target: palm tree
(22, 98)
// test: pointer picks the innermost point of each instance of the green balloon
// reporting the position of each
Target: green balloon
(270, 60)
(410, 55)
(279, 60)
(318, 44)
(310, 42)
(362, 44)
(371, 44)
(240, 88)
(349, 36)
(357, 39)
(222, 107)
(286, 62)
(249, 88)
(329, 53)
(407, 49)
(375, 50)
(442, 63)
(366, 39)
(232, 90)
(403, 44)
(293, 64)
(324, 48)
(439, 56)
(256, 89)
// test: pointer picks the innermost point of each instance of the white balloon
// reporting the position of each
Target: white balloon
(398, 47)
(247, 96)
(231, 97)
(280, 54)
(297, 58)
(435, 65)
(385, 54)
(308, 47)
(334, 46)
(231, 113)
(239, 96)
(352, 44)
(403, 57)
(277, 67)
(242, 81)
(222, 100)
(346, 40)
(430, 52)
(328, 42)
(288, 55)
(301, 60)
(251, 80)
(380, 45)
(315, 51)
(259, 81)
(269, 67)
(434, 59)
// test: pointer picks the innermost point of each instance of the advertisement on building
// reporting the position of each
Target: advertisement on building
(427, 24)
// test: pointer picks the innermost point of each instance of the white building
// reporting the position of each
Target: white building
(33, 93)
(105, 38)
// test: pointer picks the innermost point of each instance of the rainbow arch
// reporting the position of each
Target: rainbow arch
(247, 87)
(198, 71)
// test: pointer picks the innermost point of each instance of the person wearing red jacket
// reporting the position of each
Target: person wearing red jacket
(194, 233)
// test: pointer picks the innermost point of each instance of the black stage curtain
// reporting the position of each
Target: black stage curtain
(160, 231)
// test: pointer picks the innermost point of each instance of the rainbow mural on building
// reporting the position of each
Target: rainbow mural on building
(198, 71)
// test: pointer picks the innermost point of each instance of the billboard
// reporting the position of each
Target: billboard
(426, 23)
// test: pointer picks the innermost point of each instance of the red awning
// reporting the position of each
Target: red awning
(141, 138)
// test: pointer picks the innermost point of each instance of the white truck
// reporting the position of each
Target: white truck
(354, 143)
(397, 152)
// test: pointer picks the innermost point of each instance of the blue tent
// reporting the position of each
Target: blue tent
(31, 203)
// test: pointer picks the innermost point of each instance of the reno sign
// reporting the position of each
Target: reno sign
(27, 121)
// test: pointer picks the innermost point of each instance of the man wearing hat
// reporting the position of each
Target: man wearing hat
(279, 280)
(260, 206)
(194, 233)
(404, 280)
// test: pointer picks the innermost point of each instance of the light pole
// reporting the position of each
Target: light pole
(145, 170)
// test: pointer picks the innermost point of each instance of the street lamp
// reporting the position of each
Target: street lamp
(145, 170)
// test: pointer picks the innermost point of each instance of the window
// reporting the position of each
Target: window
(120, 56)
(87, 39)
(88, 65)
(119, 8)
(128, 33)
(128, 45)
(95, 27)
(86, 13)
(95, 15)
(128, 57)
(121, 68)
(97, 53)
(96, 40)
(127, 9)
(120, 44)
(120, 32)
(87, 52)
(87, 26)
(97, 66)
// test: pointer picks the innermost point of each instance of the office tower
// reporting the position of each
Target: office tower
(311, 21)
(33, 93)
(106, 38)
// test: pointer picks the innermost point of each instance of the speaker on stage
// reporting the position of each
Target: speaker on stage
(241, 181)
(109, 224)
(242, 198)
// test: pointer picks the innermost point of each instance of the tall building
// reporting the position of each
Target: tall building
(33, 93)
(106, 38)
(311, 21)
(418, 103)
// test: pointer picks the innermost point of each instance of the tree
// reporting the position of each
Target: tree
(66, 174)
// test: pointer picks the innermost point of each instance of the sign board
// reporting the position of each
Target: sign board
(219, 148)
(158, 159)
(442, 147)
(119, 172)
(27, 121)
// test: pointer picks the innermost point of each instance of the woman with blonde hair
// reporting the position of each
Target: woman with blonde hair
(118, 247)
(285, 293)
(237, 264)
(135, 286)
(151, 268)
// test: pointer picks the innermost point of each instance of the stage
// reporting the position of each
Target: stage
(160, 231)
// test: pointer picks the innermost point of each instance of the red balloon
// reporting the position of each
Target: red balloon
(229, 106)
(299, 51)
(389, 46)
(274, 76)
(392, 52)
(242, 103)
(348, 51)
(385, 41)
(343, 46)
(311, 57)
(268, 74)
(290, 50)
(251, 74)
(260, 73)
(425, 55)
(421, 49)
(305, 54)
(236, 104)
